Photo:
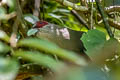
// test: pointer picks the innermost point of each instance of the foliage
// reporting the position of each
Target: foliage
(93, 40)
(24, 56)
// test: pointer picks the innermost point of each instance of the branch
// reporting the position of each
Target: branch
(23, 27)
(14, 33)
(37, 8)
(112, 9)
(114, 24)
(104, 18)
(84, 8)
(72, 5)
(16, 24)
(8, 16)
(80, 19)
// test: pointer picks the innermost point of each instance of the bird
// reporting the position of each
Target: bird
(65, 38)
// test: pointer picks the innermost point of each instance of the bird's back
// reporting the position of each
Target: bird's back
(63, 37)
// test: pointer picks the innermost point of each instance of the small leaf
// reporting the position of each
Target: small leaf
(52, 49)
(2, 13)
(4, 36)
(32, 32)
(11, 4)
(62, 10)
(39, 58)
(4, 48)
(55, 16)
(31, 18)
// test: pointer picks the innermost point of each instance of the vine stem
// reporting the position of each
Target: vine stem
(80, 19)
(104, 18)
(18, 20)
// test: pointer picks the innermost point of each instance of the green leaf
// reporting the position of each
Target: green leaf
(93, 41)
(51, 6)
(4, 36)
(11, 4)
(4, 48)
(2, 13)
(40, 58)
(98, 48)
(62, 10)
(52, 49)
(31, 18)
(8, 69)
(32, 32)
(55, 16)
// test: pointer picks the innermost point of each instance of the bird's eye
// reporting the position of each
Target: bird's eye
(41, 22)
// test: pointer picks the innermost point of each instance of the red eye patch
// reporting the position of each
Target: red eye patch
(41, 24)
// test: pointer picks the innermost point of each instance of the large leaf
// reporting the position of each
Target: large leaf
(52, 49)
(40, 58)
(97, 47)
(8, 69)
(93, 41)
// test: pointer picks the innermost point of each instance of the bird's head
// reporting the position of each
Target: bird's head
(36, 26)
(40, 24)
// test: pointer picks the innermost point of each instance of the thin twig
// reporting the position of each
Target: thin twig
(72, 5)
(13, 39)
(81, 20)
(37, 8)
(112, 9)
(84, 8)
(23, 27)
(91, 24)
(14, 33)
(112, 22)
(104, 18)
(43, 16)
